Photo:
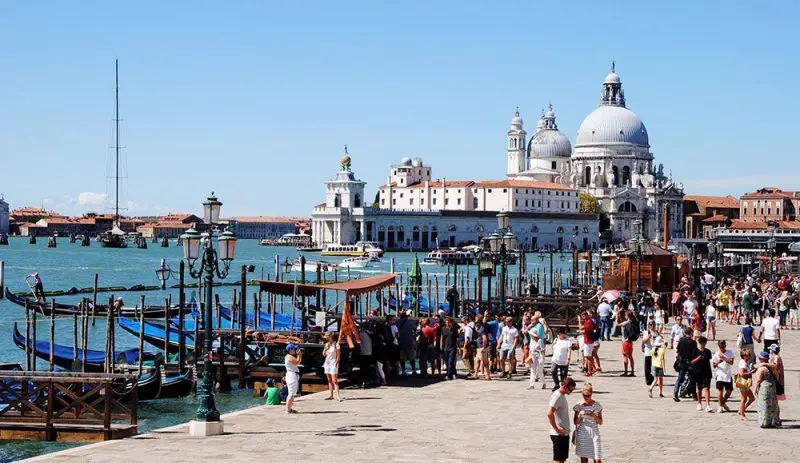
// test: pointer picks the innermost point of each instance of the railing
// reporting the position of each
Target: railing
(67, 406)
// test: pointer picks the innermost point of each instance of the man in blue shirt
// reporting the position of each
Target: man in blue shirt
(494, 327)
(605, 311)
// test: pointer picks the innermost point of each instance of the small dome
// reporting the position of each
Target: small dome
(549, 143)
(612, 78)
(612, 125)
(516, 121)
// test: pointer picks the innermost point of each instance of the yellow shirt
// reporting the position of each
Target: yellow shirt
(723, 298)
(659, 358)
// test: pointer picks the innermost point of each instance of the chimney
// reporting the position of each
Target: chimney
(666, 226)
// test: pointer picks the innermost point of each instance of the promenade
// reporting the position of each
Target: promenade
(477, 420)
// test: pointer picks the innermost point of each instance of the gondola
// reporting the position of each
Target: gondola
(152, 312)
(282, 321)
(155, 334)
(95, 359)
(177, 386)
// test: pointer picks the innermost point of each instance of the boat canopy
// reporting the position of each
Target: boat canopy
(116, 231)
(351, 287)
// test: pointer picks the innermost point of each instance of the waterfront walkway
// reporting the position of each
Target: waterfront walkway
(477, 420)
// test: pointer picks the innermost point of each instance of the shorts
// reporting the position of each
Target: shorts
(702, 382)
(492, 350)
(292, 385)
(482, 354)
(588, 349)
(331, 369)
(658, 372)
(710, 319)
(627, 348)
(725, 385)
(508, 354)
(560, 448)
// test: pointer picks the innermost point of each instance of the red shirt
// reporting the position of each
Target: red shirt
(588, 326)
(430, 334)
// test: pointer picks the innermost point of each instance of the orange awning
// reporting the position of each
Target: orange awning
(351, 287)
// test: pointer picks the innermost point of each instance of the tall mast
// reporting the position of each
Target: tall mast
(116, 143)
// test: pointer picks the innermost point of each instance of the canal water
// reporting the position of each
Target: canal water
(70, 265)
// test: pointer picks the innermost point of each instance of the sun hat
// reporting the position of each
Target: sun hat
(774, 348)
(764, 355)
(291, 346)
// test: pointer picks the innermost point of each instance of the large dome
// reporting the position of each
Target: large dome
(612, 125)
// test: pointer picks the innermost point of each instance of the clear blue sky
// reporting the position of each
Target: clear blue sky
(255, 99)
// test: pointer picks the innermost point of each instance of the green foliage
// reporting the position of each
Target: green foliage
(589, 204)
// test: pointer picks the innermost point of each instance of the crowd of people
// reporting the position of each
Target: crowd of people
(498, 347)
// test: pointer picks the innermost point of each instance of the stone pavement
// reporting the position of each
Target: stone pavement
(475, 420)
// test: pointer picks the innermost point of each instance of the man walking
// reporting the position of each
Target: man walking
(507, 344)
(559, 417)
(685, 352)
(605, 311)
(562, 353)
(449, 338)
(630, 333)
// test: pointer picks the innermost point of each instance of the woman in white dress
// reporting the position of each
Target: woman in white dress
(588, 418)
(331, 353)
(292, 362)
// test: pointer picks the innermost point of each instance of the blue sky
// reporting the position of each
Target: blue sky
(255, 100)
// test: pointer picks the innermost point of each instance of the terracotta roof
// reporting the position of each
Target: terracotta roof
(768, 192)
(522, 184)
(741, 225)
(716, 218)
(713, 201)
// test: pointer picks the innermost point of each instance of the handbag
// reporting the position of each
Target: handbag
(739, 340)
(743, 383)
(574, 437)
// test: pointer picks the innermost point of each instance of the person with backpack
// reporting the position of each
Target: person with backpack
(630, 333)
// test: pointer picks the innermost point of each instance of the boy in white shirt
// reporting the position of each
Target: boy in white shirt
(722, 361)
(677, 332)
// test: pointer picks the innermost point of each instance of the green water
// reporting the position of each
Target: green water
(70, 265)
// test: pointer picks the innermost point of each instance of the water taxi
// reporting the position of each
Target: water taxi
(355, 262)
(451, 257)
(360, 249)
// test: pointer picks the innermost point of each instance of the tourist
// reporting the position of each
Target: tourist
(596, 334)
(272, 393)
(562, 355)
(747, 302)
(765, 381)
(606, 312)
(482, 361)
(659, 317)
(659, 363)
(777, 363)
(407, 333)
(470, 344)
(685, 351)
(701, 374)
(393, 344)
(744, 382)
(365, 351)
(647, 349)
(630, 333)
(449, 343)
(771, 331)
(332, 354)
(292, 361)
(379, 353)
(711, 320)
(783, 308)
(493, 329)
(722, 361)
(438, 325)
(427, 347)
(507, 344)
(794, 312)
(746, 337)
(676, 333)
(689, 307)
(588, 418)
(558, 415)
(537, 360)
(587, 345)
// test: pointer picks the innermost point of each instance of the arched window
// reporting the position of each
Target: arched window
(401, 234)
(475, 203)
(381, 234)
(415, 234)
(627, 206)
(626, 175)
(587, 175)
(615, 173)
(337, 200)
(357, 201)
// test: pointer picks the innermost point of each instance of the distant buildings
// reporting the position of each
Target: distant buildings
(169, 226)
(263, 227)
(703, 214)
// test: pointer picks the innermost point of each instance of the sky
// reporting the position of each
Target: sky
(255, 100)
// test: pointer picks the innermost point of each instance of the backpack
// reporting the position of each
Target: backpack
(594, 335)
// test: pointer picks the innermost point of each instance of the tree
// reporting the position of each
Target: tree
(377, 199)
(589, 204)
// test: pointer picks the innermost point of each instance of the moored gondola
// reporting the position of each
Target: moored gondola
(152, 312)
(179, 385)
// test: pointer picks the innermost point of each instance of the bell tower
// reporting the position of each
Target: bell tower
(516, 146)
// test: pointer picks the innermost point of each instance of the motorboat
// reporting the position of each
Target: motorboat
(450, 257)
(360, 249)
(311, 266)
(355, 262)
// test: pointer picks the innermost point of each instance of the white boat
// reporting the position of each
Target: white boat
(360, 249)
(355, 262)
(311, 266)
(450, 257)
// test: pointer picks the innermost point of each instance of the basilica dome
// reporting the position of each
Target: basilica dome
(548, 141)
(612, 123)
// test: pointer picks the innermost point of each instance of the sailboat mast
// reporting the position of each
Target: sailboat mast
(116, 143)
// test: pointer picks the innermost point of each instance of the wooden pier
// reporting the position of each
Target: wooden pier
(67, 407)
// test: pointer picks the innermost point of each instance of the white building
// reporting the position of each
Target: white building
(611, 160)
(416, 212)
(4, 227)
(262, 227)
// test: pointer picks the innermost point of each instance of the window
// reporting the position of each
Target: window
(415, 233)
(383, 202)
(475, 190)
(446, 201)
(411, 201)
(433, 201)
(394, 202)
(516, 190)
(422, 201)
(458, 191)
(458, 201)
(474, 203)
(548, 204)
(540, 203)
(489, 190)
(562, 204)
(553, 165)
(526, 203)
(548, 192)
(401, 195)
(505, 190)
(516, 202)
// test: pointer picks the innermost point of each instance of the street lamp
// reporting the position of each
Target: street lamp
(500, 244)
(163, 273)
(638, 242)
(207, 422)
(211, 208)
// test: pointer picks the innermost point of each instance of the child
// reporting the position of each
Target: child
(659, 362)
(273, 394)
(677, 332)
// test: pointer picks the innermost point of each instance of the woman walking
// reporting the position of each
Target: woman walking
(744, 382)
(588, 418)
(659, 361)
(482, 364)
(764, 381)
(332, 353)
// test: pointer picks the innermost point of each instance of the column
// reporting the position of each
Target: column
(363, 226)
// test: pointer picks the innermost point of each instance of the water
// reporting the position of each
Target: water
(70, 265)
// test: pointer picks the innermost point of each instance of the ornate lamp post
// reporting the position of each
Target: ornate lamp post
(500, 244)
(638, 241)
(163, 273)
(771, 242)
(197, 246)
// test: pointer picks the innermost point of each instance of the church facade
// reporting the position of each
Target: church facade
(611, 161)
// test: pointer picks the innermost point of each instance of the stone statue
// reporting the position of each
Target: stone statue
(609, 176)
(660, 173)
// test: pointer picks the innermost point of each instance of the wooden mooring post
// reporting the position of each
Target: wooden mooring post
(242, 326)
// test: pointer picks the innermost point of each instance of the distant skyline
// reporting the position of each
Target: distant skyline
(255, 100)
